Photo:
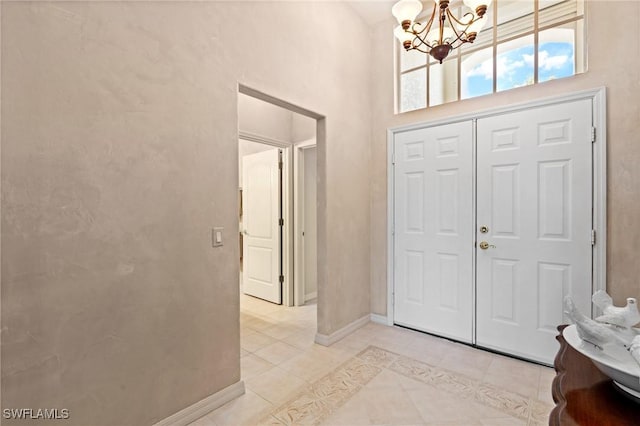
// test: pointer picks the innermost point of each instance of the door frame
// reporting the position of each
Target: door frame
(287, 205)
(298, 215)
(599, 196)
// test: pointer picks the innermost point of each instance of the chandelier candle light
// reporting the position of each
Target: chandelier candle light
(450, 33)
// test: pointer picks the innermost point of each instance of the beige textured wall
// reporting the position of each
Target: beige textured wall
(119, 153)
(258, 117)
(302, 128)
(262, 118)
(612, 62)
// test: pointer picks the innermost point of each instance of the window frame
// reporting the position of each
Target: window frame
(579, 66)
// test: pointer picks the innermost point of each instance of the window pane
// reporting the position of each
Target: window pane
(578, 48)
(514, 17)
(485, 38)
(411, 59)
(556, 57)
(514, 63)
(552, 11)
(413, 90)
(443, 82)
(476, 70)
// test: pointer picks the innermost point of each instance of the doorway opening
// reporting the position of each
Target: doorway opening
(277, 181)
(305, 222)
(277, 191)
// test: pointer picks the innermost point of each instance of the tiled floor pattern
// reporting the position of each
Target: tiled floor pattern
(324, 399)
(376, 375)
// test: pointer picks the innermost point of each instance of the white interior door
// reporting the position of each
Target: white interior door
(534, 186)
(261, 200)
(433, 242)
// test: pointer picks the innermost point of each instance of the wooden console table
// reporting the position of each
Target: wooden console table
(585, 396)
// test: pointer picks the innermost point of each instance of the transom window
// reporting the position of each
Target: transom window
(523, 42)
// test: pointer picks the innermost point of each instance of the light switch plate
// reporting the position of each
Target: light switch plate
(216, 237)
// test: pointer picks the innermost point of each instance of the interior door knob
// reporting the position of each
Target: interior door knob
(485, 245)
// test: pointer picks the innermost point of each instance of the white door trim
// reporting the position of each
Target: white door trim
(254, 137)
(287, 209)
(598, 97)
(298, 212)
(287, 229)
(600, 191)
(474, 223)
(391, 254)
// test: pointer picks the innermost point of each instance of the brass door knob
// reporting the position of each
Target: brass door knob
(485, 245)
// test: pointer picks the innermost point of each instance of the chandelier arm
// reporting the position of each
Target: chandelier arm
(421, 42)
(466, 25)
(428, 25)
(419, 50)
(459, 21)
(460, 43)
(453, 28)
(425, 30)
(417, 42)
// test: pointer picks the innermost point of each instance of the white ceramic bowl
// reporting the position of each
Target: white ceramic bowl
(613, 360)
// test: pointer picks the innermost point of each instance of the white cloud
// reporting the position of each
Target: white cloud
(547, 62)
(528, 59)
(485, 69)
(507, 66)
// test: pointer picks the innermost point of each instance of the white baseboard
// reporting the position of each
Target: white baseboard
(310, 296)
(379, 319)
(204, 407)
(328, 340)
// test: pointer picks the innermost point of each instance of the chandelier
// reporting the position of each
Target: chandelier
(450, 33)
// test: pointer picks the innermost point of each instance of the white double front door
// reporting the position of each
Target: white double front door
(495, 271)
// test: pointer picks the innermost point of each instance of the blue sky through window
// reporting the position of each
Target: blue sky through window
(515, 68)
(555, 60)
(480, 80)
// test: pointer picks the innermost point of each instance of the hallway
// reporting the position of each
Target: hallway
(376, 375)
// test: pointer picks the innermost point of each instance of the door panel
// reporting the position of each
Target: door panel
(534, 186)
(261, 213)
(505, 203)
(434, 230)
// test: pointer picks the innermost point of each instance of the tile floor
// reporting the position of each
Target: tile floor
(376, 375)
